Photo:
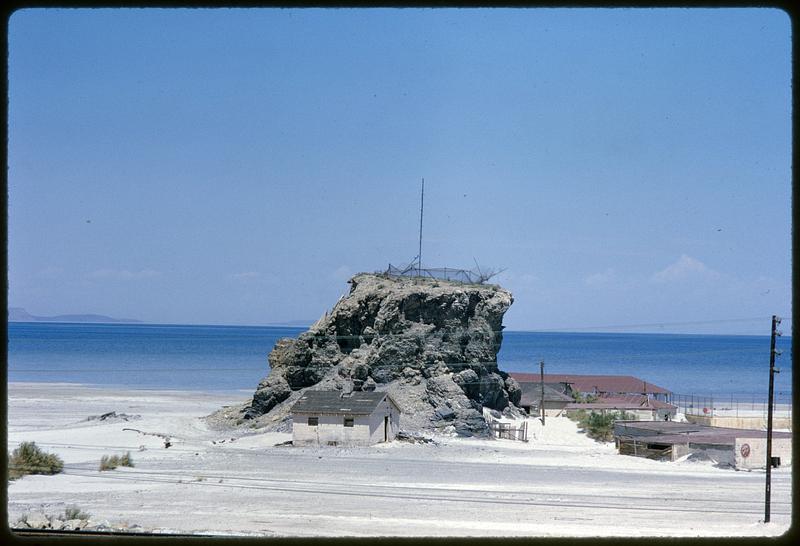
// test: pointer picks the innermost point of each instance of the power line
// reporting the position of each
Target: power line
(655, 324)
(308, 487)
(565, 329)
(131, 369)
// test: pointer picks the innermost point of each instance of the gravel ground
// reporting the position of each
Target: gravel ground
(238, 482)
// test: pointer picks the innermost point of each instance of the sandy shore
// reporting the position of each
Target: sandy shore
(558, 484)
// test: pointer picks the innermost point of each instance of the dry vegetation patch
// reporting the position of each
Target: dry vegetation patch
(28, 458)
(110, 462)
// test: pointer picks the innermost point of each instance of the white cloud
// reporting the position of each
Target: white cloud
(515, 279)
(342, 273)
(123, 274)
(527, 279)
(50, 273)
(600, 278)
(245, 275)
(685, 267)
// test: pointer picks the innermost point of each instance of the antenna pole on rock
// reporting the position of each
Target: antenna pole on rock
(421, 205)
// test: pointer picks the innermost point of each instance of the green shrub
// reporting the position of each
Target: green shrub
(601, 426)
(110, 462)
(29, 459)
(578, 416)
(74, 512)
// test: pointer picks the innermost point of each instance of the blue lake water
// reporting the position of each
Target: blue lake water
(235, 357)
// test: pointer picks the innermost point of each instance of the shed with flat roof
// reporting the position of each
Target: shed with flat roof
(344, 418)
(554, 398)
(739, 448)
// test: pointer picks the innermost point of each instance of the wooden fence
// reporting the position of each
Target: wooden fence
(508, 431)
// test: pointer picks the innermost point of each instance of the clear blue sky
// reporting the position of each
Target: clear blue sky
(237, 166)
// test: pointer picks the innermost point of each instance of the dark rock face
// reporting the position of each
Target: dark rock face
(438, 336)
(271, 391)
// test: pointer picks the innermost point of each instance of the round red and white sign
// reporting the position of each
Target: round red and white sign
(745, 450)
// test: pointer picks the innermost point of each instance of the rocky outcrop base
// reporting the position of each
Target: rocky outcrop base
(438, 339)
(39, 520)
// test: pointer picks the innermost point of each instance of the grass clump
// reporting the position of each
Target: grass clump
(578, 416)
(74, 512)
(600, 426)
(110, 462)
(28, 458)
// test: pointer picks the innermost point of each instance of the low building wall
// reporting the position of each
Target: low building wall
(637, 414)
(650, 450)
(755, 454)
(751, 423)
(720, 454)
(679, 450)
(330, 430)
(383, 429)
(382, 425)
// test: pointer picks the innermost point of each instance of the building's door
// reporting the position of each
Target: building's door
(386, 428)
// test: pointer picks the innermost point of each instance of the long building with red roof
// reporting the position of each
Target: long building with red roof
(599, 384)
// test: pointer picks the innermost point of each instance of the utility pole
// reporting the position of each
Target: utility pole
(772, 371)
(541, 375)
(421, 206)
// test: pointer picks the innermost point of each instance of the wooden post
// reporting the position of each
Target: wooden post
(772, 371)
(541, 375)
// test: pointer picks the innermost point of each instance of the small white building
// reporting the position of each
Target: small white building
(340, 418)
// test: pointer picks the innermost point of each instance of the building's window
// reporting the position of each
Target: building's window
(348, 421)
(313, 421)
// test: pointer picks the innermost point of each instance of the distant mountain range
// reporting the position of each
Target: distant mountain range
(18, 314)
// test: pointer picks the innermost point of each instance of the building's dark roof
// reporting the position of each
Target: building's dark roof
(632, 402)
(659, 427)
(724, 438)
(610, 405)
(696, 438)
(642, 400)
(532, 394)
(670, 432)
(595, 383)
(357, 403)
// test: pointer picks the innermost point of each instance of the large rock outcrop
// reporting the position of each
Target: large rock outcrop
(431, 343)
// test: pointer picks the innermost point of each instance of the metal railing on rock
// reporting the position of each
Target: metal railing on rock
(442, 273)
